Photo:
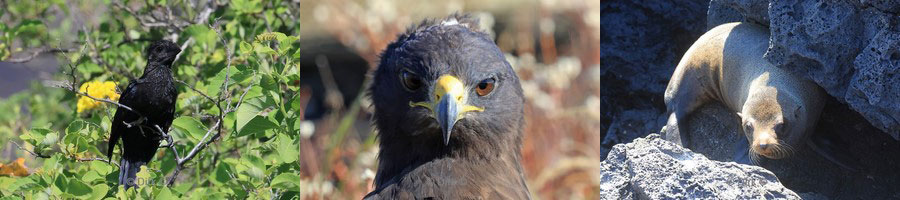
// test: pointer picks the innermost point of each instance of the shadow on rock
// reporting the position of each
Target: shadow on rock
(715, 132)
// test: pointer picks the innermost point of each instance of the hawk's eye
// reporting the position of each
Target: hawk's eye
(410, 80)
(485, 87)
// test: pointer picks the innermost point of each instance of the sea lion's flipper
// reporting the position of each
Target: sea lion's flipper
(742, 152)
(672, 131)
(829, 149)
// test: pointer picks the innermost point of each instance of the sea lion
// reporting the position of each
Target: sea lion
(777, 110)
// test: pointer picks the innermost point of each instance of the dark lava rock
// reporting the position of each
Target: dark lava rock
(641, 42)
(850, 48)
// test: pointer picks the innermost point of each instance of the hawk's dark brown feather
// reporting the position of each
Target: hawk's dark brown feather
(482, 159)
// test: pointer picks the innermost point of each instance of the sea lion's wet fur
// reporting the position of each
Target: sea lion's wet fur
(726, 64)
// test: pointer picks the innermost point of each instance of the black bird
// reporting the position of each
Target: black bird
(449, 113)
(152, 97)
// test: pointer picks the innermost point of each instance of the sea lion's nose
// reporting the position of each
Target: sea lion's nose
(763, 146)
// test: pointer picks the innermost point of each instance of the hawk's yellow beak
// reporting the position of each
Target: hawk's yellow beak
(448, 104)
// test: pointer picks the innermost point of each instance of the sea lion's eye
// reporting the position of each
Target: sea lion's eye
(410, 81)
(748, 127)
(485, 87)
(779, 127)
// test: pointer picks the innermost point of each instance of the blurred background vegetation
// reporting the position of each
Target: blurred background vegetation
(305, 130)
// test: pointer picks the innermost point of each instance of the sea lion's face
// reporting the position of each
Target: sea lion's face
(765, 127)
(764, 137)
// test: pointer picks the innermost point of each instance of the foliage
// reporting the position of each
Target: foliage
(237, 111)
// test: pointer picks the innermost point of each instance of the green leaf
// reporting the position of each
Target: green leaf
(35, 135)
(75, 127)
(247, 6)
(21, 184)
(91, 176)
(202, 34)
(255, 166)
(50, 139)
(168, 162)
(60, 183)
(285, 44)
(256, 125)
(10, 198)
(165, 193)
(89, 68)
(263, 49)
(215, 83)
(255, 91)
(246, 48)
(133, 34)
(249, 120)
(190, 126)
(287, 181)
(288, 149)
(268, 83)
(296, 54)
(75, 140)
(101, 167)
(99, 191)
(285, 41)
(221, 175)
(78, 188)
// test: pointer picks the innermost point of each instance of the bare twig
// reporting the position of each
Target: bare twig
(209, 137)
(200, 146)
(35, 154)
(35, 53)
(93, 159)
(210, 7)
(183, 46)
(31, 152)
(240, 100)
(150, 21)
(105, 100)
(195, 90)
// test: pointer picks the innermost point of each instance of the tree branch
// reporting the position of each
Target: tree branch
(105, 100)
(38, 52)
(31, 152)
(209, 137)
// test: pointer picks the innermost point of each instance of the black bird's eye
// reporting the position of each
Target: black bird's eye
(485, 87)
(410, 80)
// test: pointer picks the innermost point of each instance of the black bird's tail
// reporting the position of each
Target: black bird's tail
(128, 170)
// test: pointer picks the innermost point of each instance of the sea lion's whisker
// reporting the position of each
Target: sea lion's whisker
(787, 149)
(754, 158)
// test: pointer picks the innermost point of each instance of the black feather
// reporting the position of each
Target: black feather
(152, 96)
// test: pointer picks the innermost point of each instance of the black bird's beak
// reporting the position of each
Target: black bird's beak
(449, 104)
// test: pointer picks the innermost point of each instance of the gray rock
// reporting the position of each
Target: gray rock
(848, 47)
(725, 11)
(652, 168)
(642, 42)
